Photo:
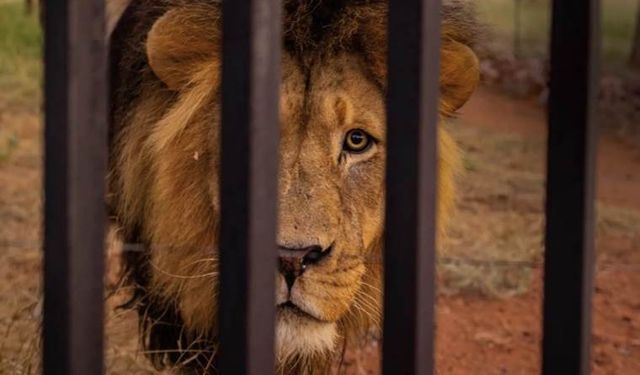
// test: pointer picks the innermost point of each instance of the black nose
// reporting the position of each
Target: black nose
(293, 262)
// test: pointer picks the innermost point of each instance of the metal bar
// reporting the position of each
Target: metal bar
(412, 116)
(75, 166)
(250, 118)
(569, 257)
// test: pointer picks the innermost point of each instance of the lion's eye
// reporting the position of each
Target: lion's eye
(357, 141)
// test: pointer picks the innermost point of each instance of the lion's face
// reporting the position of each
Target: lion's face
(331, 184)
(331, 196)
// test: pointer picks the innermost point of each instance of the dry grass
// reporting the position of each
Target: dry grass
(20, 255)
(20, 313)
(496, 240)
(496, 237)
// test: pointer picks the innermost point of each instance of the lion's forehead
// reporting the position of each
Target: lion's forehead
(331, 97)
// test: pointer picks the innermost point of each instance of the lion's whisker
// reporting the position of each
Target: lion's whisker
(185, 277)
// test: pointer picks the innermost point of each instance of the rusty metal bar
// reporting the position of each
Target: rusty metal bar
(75, 166)
(250, 128)
(569, 255)
(412, 115)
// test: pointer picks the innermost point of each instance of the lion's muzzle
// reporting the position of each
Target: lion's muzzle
(292, 262)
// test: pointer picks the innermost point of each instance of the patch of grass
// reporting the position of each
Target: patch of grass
(20, 56)
(494, 242)
(618, 18)
(497, 279)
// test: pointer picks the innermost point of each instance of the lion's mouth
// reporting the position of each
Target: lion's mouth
(293, 309)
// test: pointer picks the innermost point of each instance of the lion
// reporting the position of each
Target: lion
(165, 162)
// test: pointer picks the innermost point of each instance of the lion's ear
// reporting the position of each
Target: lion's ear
(183, 46)
(459, 75)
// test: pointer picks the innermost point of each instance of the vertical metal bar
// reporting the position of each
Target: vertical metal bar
(569, 244)
(75, 165)
(412, 116)
(250, 128)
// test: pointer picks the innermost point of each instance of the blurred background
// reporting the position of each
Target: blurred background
(490, 268)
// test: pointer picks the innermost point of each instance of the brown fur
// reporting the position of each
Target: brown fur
(165, 163)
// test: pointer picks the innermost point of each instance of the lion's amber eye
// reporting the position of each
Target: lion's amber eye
(357, 141)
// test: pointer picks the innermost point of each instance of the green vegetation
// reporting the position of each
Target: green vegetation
(618, 17)
(20, 56)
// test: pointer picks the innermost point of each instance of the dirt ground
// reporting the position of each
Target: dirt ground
(489, 304)
(502, 336)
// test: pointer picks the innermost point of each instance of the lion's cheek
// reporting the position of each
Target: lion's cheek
(372, 226)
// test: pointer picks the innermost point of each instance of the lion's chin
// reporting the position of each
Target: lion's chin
(299, 336)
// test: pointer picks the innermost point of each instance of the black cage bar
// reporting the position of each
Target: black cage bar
(412, 117)
(75, 165)
(250, 128)
(569, 258)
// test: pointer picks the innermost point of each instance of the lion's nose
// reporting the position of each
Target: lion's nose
(293, 262)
